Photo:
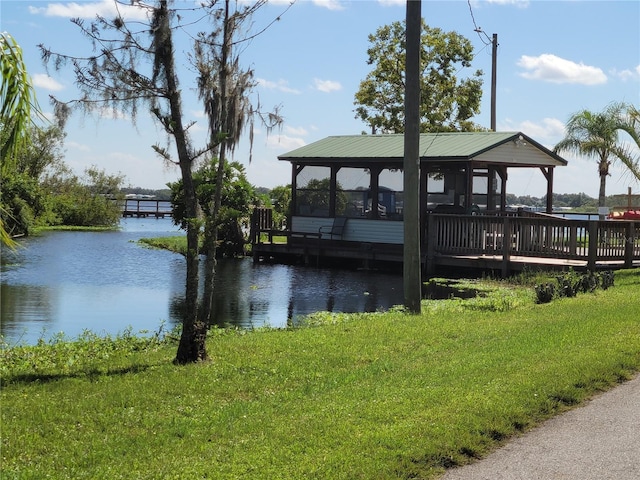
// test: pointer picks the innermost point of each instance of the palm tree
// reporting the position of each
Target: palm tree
(17, 98)
(628, 121)
(596, 135)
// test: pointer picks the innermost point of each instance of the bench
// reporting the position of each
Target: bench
(337, 228)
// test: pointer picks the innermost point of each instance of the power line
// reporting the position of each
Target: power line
(476, 28)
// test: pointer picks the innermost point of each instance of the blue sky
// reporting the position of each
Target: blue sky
(554, 58)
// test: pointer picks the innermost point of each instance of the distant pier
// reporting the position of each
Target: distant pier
(143, 208)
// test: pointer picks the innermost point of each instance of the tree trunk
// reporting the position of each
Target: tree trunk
(602, 191)
(603, 170)
(192, 346)
(212, 221)
(212, 239)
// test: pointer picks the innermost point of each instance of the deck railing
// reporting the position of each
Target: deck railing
(497, 238)
(588, 240)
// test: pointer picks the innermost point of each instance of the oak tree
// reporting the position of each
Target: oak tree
(447, 102)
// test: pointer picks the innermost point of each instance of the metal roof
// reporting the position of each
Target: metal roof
(443, 147)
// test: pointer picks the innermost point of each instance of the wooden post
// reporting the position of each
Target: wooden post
(550, 191)
(592, 254)
(630, 241)
(412, 259)
(502, 172)
(254, 226)
(374, 190)
(468, 195)
(333, 191)
(268, 223)
(506, 245)
(573, 239)
(548, 174)
(293, 205)
(430, 236)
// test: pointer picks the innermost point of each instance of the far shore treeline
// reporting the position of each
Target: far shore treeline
(580, 202)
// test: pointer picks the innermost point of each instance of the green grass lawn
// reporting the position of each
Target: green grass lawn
(364, 396)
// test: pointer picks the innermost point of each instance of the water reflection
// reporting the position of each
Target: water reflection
(106, 282)
(19, 305)
(250, 295)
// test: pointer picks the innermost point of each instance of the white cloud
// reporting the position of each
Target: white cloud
(550, 68)
(77, 146)
(298, 131)
(329, 4)
(546, 130)
(549, 128)
(392, 3)
(43, 80)
(285, 142)
(281, 85)
(517, 3)
(272, 2)
(326, 86)
(196, 127)
(89, 10)
(624, 75)
(113, 114)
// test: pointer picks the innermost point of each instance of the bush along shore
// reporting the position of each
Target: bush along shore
(571, 283)
(347, 396)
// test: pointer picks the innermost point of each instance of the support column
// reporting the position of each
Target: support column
(468, 196)
(412, 277)
(293, 205)
(548, 174)
(502, 172)
(374, 190)
(333, 191)
(491, 188)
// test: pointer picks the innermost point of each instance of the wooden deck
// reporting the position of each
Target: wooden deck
(509, 243)
(503, 243)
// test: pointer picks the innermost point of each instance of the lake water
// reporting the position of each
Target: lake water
(106, 282)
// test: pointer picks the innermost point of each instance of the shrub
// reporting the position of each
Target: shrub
(569, 284)
(545, 292)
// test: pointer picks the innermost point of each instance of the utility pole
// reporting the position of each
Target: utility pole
(494, 73)
(494, 56)
(412, 278)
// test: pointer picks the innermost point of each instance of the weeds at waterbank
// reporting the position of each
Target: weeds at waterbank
(87, 355)
(571, 283)
(383, 395)
(176, 244)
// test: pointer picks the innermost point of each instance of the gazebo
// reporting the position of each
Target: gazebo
(460, 173)
(347, 205)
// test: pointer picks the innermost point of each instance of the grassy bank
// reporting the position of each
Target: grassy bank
(366, 396)
(177, 244)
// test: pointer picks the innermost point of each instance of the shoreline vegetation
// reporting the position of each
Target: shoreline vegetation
(175, 244)
(346, 396)
(72, 228)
